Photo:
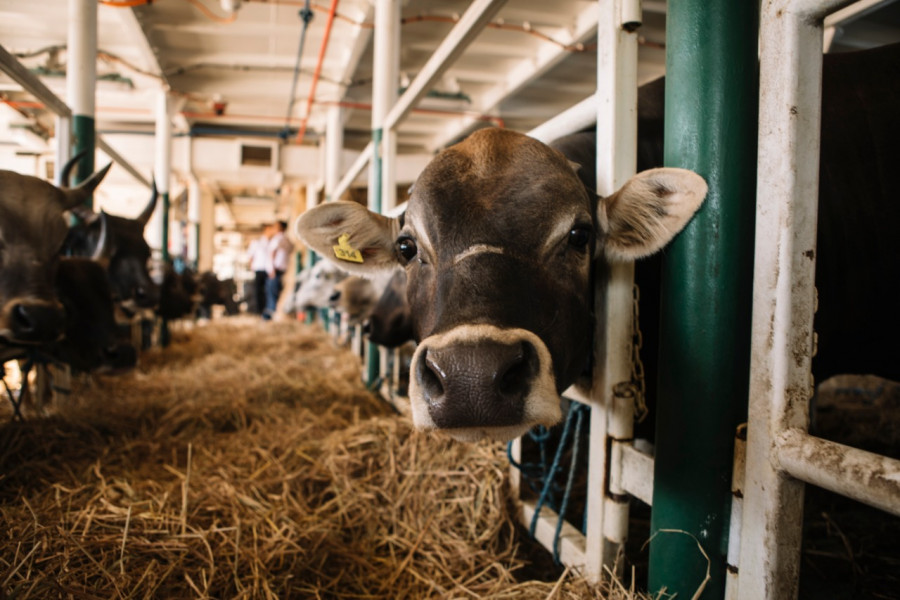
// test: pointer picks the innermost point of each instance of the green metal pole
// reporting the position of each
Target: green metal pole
(710, 127)
(373, 366)
(84, 138)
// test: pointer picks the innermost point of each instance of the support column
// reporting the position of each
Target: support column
(710, 127)
(386, 78)
(81, 82)
(193, 241)
(158, 227)
(334, 149)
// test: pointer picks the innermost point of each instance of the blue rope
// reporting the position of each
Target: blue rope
(542, 479)
(579, 411)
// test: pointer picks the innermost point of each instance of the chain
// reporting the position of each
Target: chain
(637, 367)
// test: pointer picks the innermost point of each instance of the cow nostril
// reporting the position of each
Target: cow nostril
(513, 378)
(22, 320)
(431, 377)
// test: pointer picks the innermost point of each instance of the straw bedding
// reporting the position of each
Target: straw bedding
(247, 460)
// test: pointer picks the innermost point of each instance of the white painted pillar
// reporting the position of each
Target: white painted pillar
(81, 80)
(156, 231)
(616, 162)
(386, 78)
(195, 198)
(334, 147)
(206, 231)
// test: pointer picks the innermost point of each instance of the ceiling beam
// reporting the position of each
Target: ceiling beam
(472, 22)
(527, 70)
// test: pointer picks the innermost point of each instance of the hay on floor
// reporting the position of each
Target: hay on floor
(247, 460)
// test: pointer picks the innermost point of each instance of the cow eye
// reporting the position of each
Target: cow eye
(407, 248)
(579, 237)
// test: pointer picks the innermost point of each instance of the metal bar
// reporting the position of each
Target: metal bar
(10, 65)
(120, 160)
(737, 506)
(616, 162)
(857, 474)
(476, 18)
(572, 550)
(783, 289)
(81, 82)
(710, 128)
(575, 118)
(353, 172)
(631, 472)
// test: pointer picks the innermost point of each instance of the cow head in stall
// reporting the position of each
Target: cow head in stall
(32, 231)
(390, 323)
(498, 243)
(119, 243)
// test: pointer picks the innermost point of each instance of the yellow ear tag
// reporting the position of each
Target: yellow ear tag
(344, 251)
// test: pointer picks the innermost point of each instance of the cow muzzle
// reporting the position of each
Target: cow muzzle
(32, 321)
(481, 381)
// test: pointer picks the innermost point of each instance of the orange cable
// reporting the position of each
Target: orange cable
(312, 89)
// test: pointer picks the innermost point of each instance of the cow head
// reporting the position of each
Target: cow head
(390, 323)
(318, 285)
(119, 243)
(498, 243)
(32, 230)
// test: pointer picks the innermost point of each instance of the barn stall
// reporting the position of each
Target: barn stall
(212, 215)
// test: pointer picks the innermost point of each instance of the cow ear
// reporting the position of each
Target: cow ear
(649, 210)
(350, 235)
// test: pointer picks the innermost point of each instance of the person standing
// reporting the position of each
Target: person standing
(259, 262)
(280, 248)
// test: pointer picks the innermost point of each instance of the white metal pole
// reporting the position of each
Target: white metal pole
(154, 232)
(386, 77)
(81, 79)
(194, 200)
(334, 146)
(783, 290)
(616, 162)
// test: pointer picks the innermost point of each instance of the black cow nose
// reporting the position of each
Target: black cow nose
(477, 384)
(36, 322)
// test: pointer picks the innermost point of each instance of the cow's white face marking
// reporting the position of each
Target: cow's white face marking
(476, 249)
(542, 404)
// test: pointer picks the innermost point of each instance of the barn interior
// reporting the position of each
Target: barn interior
(224, 464)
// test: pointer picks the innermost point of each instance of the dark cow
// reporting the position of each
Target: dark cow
(498, 242)
(214, 291)
(32, 230)
(179, 293)
(90, 340)
(124, 251)
(390, 323)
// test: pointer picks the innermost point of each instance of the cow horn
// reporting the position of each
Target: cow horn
(80, 194)
(144, 217)
(100, 249)
(65, 174)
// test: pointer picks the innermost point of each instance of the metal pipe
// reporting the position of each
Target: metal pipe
(476, 17)
(118, 158)
(334, 146)
(710, 128)
(783, 289)
(863, 476)
(616, 117)
(326, 36)
(81, 81)
(575, 118)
